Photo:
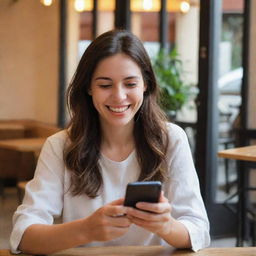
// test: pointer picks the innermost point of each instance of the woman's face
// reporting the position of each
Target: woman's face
(117, 89)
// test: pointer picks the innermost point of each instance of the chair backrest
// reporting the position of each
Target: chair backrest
(23, 128)
(11, 131)
(40, 130)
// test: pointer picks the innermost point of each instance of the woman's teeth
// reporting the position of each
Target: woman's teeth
(118, 110)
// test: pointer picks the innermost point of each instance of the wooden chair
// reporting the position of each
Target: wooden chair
(31, 128)
(16, 165)
(228, 137)
(11, 131)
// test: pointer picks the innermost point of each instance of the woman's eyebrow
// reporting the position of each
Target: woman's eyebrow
(109, 79)
(103, 78)
(132, 77)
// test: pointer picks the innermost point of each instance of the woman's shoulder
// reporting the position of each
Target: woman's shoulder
(174, 130)
(176, 134)
(61, 136)
(58, 139)
(178, 141)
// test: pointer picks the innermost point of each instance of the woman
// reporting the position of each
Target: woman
(117, 134)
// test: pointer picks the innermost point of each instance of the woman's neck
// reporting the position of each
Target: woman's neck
(117, 143)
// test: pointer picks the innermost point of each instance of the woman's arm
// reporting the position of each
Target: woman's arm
(102, 225)
(177, 236)
(181, 219)
(157, 219)
(43, 200)
(33, 228)
(45, 239)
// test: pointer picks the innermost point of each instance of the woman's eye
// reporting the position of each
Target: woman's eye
(104, 85)
(131, 84)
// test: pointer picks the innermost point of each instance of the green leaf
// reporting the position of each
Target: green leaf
(169, 72)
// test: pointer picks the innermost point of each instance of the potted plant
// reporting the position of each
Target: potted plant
(175, 92)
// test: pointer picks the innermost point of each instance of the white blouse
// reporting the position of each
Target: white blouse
(47, 195)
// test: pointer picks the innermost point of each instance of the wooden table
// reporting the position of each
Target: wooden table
(24, 144)
(247, 157)
(247, 153)
(11, 131)
(29, 149)
(149, 251)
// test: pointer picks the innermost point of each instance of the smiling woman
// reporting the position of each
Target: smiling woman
(117, 89)
(102, 59)
(117, 135)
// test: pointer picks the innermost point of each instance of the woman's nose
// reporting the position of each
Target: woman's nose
(119, 93)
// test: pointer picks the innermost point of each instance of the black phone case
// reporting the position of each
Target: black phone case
(142, 192)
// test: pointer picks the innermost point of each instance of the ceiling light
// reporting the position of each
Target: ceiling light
(79, 5)
(184, 6)
(47, 2)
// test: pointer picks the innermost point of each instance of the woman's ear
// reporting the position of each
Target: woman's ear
(89, 91)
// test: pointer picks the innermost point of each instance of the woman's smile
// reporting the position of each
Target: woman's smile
(118, 109)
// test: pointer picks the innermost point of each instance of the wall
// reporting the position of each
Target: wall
(72, 57)
(72, 40)
(187, 41)
(29, 48)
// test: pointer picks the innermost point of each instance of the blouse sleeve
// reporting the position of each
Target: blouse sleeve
(184, 191)
(43, 198)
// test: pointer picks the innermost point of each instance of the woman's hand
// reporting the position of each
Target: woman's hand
(103, 225)
(155, 217)
(158, 220)
(108, 222)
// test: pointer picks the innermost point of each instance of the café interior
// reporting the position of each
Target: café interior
(41, 42)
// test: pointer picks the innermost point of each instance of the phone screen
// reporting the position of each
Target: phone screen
(147, 191)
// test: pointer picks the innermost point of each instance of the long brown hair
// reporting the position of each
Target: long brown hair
(151, 141)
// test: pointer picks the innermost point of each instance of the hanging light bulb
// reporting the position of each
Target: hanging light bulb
(83, 5)
(184, 6)
(46, 2)
(147, 5)
(79, 5)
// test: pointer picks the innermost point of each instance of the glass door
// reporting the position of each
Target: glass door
(220, 77)
(229, 95)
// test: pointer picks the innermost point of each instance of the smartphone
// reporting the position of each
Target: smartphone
(144, 191)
